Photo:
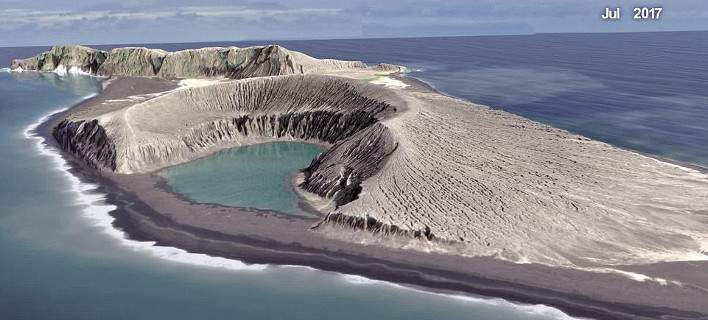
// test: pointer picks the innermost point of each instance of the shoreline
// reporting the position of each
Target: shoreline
(141, 222)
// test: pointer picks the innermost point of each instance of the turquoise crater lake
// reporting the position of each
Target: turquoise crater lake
(254, 176)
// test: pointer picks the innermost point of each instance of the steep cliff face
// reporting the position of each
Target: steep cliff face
(231, 62)
(249, 62)
(338, 173)
(139, 62)
(200, 63)
(88, 141)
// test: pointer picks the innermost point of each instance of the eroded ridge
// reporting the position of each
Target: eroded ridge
(229, 62)
(499, 184)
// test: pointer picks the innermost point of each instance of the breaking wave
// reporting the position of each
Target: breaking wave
(541, 310)
(74, 70)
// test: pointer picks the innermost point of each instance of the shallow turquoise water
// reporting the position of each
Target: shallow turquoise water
(255, 176)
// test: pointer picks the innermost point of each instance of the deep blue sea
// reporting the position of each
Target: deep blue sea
(61, 260)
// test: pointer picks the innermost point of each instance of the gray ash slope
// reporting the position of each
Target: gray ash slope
(461, 177)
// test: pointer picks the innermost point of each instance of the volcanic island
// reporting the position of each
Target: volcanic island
(414, 186)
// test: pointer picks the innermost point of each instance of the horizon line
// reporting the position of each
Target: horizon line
(364, 38)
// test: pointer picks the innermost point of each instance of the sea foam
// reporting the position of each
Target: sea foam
(61, 70)
(535, 309)
(531, 309)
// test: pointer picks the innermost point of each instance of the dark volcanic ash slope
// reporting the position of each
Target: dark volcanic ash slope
(231, 62)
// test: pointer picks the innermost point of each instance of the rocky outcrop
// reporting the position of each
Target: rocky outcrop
(139, 62)
(82, 58)
(88, 141)
(387, 67)
(249, 62)
(230, 62)
(338, 173)
(370, 224)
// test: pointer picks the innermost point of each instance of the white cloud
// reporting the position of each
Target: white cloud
(257, 14)
(12, 18)
(39, 22)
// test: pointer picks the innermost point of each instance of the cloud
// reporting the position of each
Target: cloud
(21, 18)
(25, 22)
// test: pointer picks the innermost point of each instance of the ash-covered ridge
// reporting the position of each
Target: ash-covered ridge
(229, 62)
(188, 123)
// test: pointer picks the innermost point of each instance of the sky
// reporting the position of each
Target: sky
(48, 22)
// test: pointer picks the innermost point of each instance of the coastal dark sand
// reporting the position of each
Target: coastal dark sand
(147, 210)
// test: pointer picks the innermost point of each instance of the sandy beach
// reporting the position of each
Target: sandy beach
(149, 211)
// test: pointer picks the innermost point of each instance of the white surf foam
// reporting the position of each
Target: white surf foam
(5, 70)
(354, 279)
(537, 309)
(61, 70)
(97, 211)
(293, 266)
(532, 309)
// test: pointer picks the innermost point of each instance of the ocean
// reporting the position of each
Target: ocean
(62, 260)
